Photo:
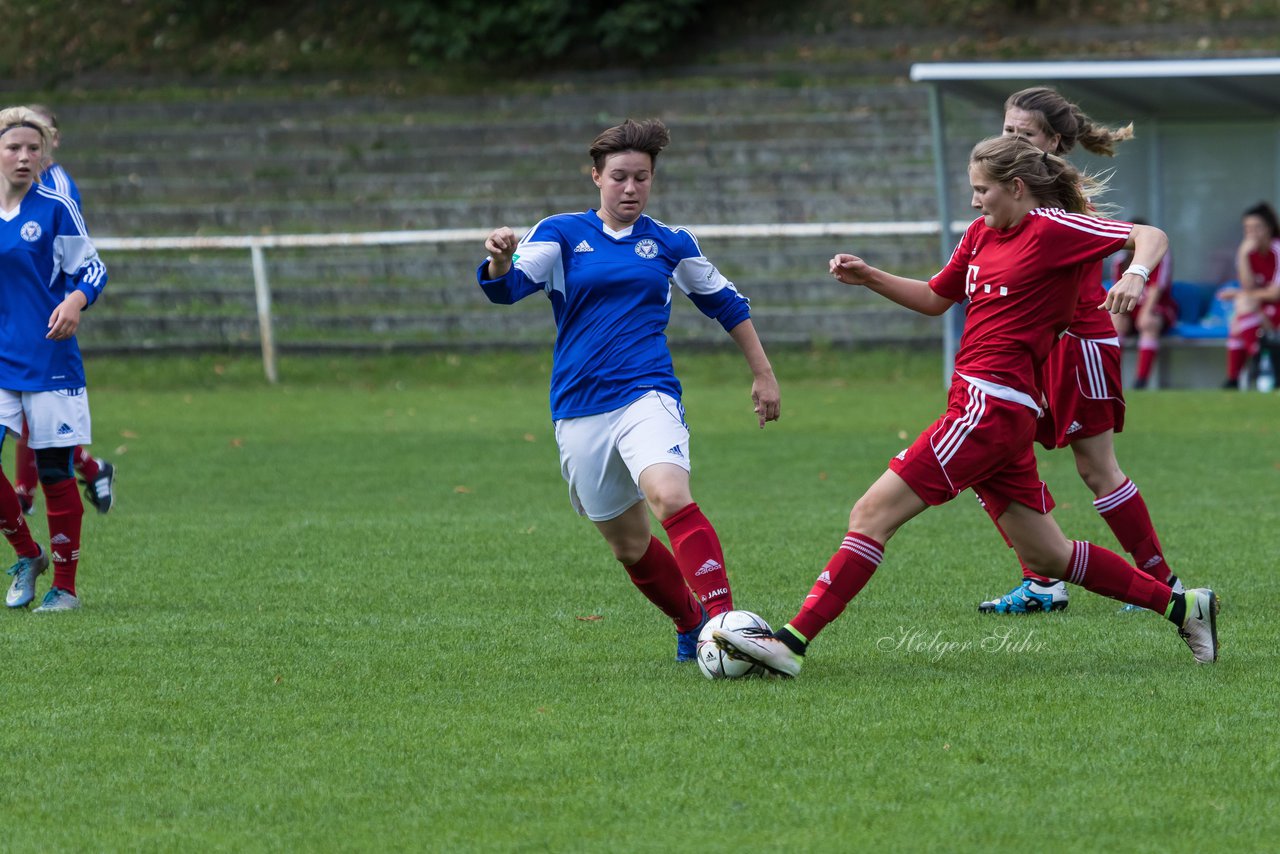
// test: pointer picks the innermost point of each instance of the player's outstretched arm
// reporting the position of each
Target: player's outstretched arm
(908, 293)
(766, 398)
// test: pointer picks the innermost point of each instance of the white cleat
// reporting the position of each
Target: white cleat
(764, 649)
(1200, 625)
(57, 600)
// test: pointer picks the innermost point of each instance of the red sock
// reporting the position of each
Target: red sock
(1147, 357)
(12, 522)
(24, 464)
(848, 571)
(1105, 572)
(1038, 579)
(658, 577)
(1126, 513)
(697, 551)
(86, 464)
(65, 511)
(1236, 357)
(1242, 339)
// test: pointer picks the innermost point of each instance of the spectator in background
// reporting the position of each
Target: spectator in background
(615, 400)
(1157, 311)
(51, 272)
(1257, 295)
(98, 476)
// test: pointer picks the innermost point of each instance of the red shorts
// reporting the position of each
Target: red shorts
(982, 443)
(1081, 380)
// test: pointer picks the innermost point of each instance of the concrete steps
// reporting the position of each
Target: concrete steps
(262, 164)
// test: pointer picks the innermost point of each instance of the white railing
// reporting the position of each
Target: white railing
(257, 244)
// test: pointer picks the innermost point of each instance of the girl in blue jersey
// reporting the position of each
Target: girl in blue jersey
(615, 399)
(98, 476)
(51, 272)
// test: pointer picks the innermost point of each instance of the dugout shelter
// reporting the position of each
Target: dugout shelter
(1206, 143)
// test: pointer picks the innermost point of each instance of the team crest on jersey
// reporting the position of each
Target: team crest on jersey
(647, 248)
(31, 231)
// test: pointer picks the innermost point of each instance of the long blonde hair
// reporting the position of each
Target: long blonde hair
(1051, 179)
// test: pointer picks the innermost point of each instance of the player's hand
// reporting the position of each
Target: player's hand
(849, 269)
(1123, 296)
(65, 319)
(501, 246)
(766, 398)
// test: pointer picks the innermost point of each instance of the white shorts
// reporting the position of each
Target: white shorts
(55, 419)
(602, 456)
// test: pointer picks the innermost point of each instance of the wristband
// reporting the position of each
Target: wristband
(1139, 270)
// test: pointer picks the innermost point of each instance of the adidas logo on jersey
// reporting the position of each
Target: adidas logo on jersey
(675, 451)
(584, 246)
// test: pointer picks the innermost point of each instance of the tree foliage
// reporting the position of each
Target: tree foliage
(525, 31)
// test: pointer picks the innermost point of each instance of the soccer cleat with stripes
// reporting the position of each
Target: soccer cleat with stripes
(100, 492)
(687, 642)
(1200, 624)
(23, 589)
(57, 599)
(764, 649)
(1029, 597)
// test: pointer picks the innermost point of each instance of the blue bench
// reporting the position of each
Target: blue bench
(1200, 314)
(1187, 351)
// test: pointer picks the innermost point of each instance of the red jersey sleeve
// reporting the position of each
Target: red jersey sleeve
(951, 282)
(1078, 238)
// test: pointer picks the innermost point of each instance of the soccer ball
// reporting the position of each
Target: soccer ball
(714, 662)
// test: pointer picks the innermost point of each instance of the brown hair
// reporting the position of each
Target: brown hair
(649, 136)
(1052, 180)
(1267, 214)
(1055, 114)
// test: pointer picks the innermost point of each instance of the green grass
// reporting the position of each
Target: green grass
(342, 614)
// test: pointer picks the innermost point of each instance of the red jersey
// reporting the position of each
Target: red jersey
(1265, 266)
(1023, 284)
(1089, 321)
(1157, 287)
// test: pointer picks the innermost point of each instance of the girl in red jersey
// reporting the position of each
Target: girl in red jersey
(1157, 312)
(1019, 265)
(1081, 376)
(1257, 309)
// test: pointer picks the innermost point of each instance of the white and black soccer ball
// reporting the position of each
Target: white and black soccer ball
(714, 662)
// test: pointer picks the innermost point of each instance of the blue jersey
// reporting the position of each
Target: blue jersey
(45, 253)
(57, 178)
(610, 292)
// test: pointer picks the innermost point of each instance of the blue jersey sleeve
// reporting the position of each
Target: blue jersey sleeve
(536, 266)
(74, 253)
(713, 294)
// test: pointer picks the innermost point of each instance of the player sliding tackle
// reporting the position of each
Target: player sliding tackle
(1020, 265)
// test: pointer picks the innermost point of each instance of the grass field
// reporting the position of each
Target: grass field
(345, 614)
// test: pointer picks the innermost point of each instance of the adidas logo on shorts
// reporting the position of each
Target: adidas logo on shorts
(675, 451)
